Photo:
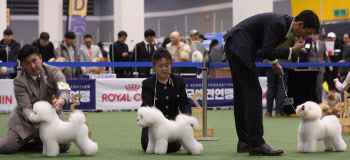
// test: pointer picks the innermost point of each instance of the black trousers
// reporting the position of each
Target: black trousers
(247, 100)
(172, 147)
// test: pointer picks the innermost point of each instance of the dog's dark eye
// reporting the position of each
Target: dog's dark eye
(34, 112)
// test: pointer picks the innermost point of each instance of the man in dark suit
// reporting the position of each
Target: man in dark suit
(121, 54)
(144, 51)
(263, 31)
(318, 54)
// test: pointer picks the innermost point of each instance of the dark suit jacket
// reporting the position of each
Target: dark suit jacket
(143, 56)
(175, 90)
(27, 92)
(321, 56)
(263, 31)
(346, 57)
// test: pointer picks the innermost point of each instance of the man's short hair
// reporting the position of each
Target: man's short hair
(44, 35)
(122, 33)
(150, 32)
(69, 35)
(309, 18)
(87, 36)
(8, 32)
(26, 51)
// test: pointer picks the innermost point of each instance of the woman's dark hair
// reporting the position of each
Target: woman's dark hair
(165, 42)
(309, 18)
(213, 43)
(26, 51)
(161, 53)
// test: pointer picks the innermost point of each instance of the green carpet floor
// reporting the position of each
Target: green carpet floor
(118, 137)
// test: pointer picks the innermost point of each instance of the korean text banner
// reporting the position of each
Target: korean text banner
(77, 16)
(85, 87)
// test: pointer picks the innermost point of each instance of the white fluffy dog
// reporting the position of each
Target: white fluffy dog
(312, 129)
(54, 131)
(197, 56)
(161, 131)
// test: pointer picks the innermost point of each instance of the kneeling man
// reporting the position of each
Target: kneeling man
(36, 82)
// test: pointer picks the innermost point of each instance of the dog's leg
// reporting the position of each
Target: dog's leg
(150, 145)
(301, 144)
(327, 144)
(191, 145)
(52, 148)
(161, 146)
(310, 145)
(338, 143)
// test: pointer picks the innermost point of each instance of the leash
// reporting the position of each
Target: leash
(285, 94)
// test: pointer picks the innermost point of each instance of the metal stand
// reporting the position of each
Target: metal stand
(204, 105)
(135, 74)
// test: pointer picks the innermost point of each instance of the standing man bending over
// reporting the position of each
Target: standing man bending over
(263, 31)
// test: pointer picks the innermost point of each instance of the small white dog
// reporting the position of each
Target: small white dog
(161, 131)
(197, 56)
(54, 131)
(312, 129)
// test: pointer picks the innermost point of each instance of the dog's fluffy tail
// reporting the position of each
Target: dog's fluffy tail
(188, 120)
(77, 117)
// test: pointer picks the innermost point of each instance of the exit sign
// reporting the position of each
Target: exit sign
(340, 12)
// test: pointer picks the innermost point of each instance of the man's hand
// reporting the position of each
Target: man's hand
(125, 54)
(298, 45)
(277, 69)
(56, 102)
(335, 80)
(330, 68)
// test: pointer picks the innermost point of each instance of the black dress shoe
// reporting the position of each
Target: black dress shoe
(264, 150)
(242, 147)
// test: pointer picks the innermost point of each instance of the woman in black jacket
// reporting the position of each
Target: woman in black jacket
(165, 91)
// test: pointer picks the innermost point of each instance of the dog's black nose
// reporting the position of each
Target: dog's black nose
(303, 108)
(137, 120)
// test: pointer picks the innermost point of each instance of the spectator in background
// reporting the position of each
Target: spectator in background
(201, 38)
(120, 53)
(318, 54)
(9, 49)
(88, 52)
(165, 42)
(336, 57)
(144, 51)
(275, 89)
(68, 50)
(343, 71)
(216, 52)
(179, 51)
(103, 51)
(195, 44)
(304, 52)
(45, 46)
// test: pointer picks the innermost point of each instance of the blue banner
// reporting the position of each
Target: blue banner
(218, 36)
(220, 91)
(85, 87)
(77, 16)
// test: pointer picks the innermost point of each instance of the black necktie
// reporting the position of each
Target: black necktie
(148, 49)
(315, 45)
(38, 81)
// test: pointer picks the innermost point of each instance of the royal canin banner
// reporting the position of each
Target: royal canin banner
(125, 94)
(7, 96)
(118, 94)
